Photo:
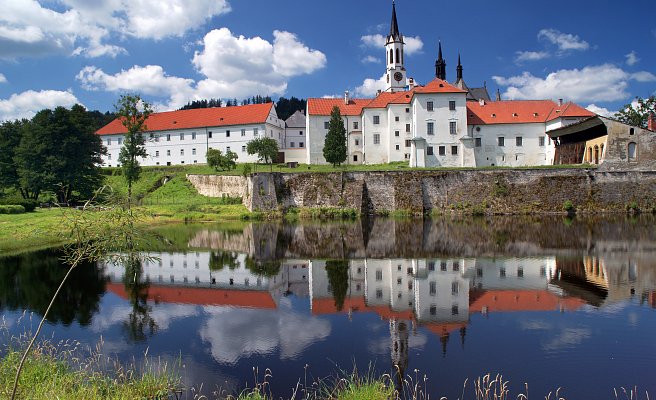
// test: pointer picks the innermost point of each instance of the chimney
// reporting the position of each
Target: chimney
(481, 102)
(560, 102)
(378, 92)
(651, 123)
(346, 97)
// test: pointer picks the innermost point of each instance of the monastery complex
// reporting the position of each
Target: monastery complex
(437, 124)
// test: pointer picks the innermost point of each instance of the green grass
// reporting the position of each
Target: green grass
(48, 375)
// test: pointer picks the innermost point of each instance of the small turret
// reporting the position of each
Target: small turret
(440, 64)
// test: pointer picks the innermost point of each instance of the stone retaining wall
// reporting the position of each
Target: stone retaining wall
(419, 192)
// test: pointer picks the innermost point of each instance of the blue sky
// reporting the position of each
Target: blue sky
(600, 54)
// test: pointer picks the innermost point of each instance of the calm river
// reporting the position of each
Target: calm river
(552, 302)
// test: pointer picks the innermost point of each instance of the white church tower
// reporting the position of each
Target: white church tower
(396, 74)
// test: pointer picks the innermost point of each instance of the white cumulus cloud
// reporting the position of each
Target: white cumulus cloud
(28, 103)
(3, 79)
(371, 86)
(413, 45)
(522, 56)
(564, 41)
(604, 112)
(370, 60)
(598, 83)
(30, 28)
(232, 66)
(632, 58)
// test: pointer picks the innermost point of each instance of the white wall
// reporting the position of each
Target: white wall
(529, 153)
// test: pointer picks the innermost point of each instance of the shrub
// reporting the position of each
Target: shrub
(568, 206)
(28, 204)
(246, 170)
(12, 209)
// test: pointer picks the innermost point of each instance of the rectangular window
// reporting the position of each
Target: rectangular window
(478, 142)
(255, 132)
(355, 125)
(300, 144)
(407, 143)
(379, 275)
(168, 152)
(455, 288)
(429, 106)
(157, 153)
(182, 136)
(157, 138)
(243, 132)
(541, 141)
(228, 133)
(120, 141)
(396, 119)
(407, 127)
(443, 266)
(518, 141)
(501, 140)
(326, 124)
(454, 150)
(432, 288)
(193, 135)
(430, 128)
(407, 110)
(355, 158)
(209, 134)
(227, 149)
(429, 150)
(442, 150)
(396, 133)
(109, 156)
(109, 142)
(193, 152)
(452, 127)
(168, 137)
(452, 105)
(182, 152)
(376, 119)
(243, 149)
(376, 138)
(300, 133)
(291, 144)
(357, 142)
(398, 147)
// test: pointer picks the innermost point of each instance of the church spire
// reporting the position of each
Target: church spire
(394, 26)
(440, 64)
(459, 70)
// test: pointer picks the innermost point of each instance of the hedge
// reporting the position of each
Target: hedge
(11, 209)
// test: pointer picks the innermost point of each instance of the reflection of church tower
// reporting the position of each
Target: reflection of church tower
(399, 334)
(444, 339)
(396, 74)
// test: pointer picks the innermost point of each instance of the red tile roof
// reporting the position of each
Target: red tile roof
(439, 86)
(198, 118)
(202, 296)
(386, 98)
(521, 111)
(325, 106)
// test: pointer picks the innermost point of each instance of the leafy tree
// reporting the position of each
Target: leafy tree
(220, 259)
(334, 147)
(265, 148)
(338, 278)
(637, 113)
(10, 136)
(133, 113)
(34, 156)
(217, 160)
(286, 107)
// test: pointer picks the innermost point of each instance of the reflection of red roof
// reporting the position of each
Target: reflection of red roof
(446, 328)
(202, 296)
(325, 106)
(521, 300)
(327, 305)
(197, 118)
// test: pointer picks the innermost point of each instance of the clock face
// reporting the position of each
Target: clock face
(398, 76)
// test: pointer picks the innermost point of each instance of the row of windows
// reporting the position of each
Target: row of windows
(519, 141)
(430, 106)
(300, 144)
(183, 135)
(326, 125)
(430, 127)
(441, 150)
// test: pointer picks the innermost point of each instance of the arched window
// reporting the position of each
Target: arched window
(596, 154)
(401, 56)
(632, 149)
(590, 155)
(602, 150)
(391, 56)
(398, 58)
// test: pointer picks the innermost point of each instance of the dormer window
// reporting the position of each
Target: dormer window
(535, 114)
(514, 114)
(494, 115)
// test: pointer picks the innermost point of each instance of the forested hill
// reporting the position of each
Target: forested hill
(285, 107)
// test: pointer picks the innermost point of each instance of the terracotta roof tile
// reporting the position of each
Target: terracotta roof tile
(386, 98)
(198, 118)
(439, 86)
(522, 300)
(521, 111)
(325, 106)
